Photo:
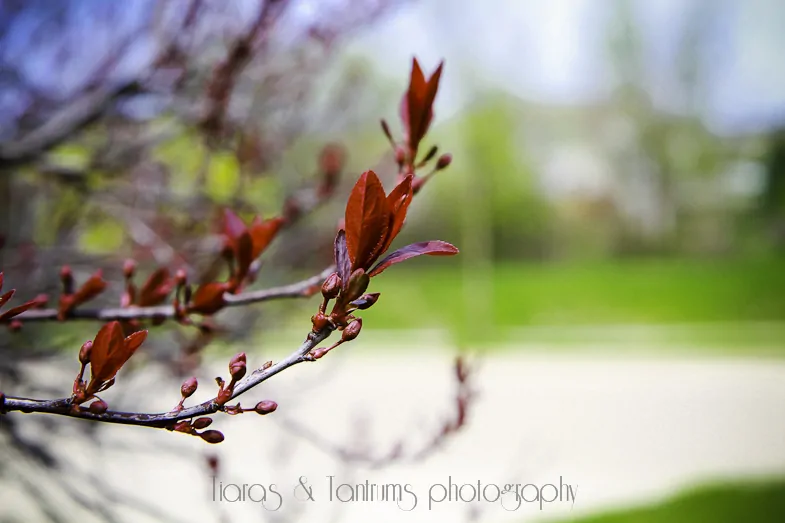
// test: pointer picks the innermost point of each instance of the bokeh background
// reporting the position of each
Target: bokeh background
(617, 191)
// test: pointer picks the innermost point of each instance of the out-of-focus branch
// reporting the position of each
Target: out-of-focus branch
(453, 424)
(301, 289)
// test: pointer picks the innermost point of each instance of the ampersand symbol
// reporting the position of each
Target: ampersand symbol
(305, 488)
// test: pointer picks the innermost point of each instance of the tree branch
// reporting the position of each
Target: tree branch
(64, 406)
(301, 289)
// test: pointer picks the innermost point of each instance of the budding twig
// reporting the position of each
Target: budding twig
(63, 407)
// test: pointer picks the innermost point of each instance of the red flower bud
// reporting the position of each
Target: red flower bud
(237, 366)
(67, 278)
(331, 286)
(202, 423)
(129, 268)
(431, 153)
(386, 130)
(265, 407)
(15, 325)
(212, 436)
(180, 277)
(400, 155)
(188, 387)
(352, 330)
(84, 352)
(98, 407)
(444, 161)
(318, 353)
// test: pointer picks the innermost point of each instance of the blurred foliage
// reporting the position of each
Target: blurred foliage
(735, 502)
(571, 294)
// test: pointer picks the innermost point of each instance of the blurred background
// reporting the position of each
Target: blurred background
(617, 191)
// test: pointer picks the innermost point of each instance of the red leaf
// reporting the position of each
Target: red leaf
(233, 225)
(7, 296)
(367, 220)
(342, 261)
(410, 105)
(243, 256)
(263, 232)
(107, 343)
(19, 309)
(208, 298)
(417, 104)
(155, 289)
(94, 286)
(398, 202)
(133, 341)
(433, 248)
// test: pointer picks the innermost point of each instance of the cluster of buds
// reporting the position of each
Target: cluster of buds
(341, 317)
(237, 370)
(193, 428)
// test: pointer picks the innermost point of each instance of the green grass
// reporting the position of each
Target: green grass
(743, 298)
(730, 503)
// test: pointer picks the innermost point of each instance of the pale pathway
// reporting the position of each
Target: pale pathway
(616, 430)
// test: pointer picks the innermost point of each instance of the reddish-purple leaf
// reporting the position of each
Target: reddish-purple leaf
(342, 262)
(433, 248)
(208, 298)
(233, 225)
(366, 219)
(19, 309)
(94, 286)
(262, 233)
(133, 341)
(243, 255)
(155, 289)
(398, 202)
(107, 342)
(7, 296)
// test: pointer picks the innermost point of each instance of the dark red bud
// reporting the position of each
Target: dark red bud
(202, 423)
(319, 322)
(365, 301)
(400, 155)
(67, 278)
(15, 325)
(352, 330)
(331, 286)
(98, 407)
(180, 277)
(386, 130)
(129, 268)
(444, 161)
(212, 436)
(431, 153)
(237, 366)
(189, 387)
(265, 407)
(84, 352)
(318, 353)
(182, 426)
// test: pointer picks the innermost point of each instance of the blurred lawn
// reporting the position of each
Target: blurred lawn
(739, 301)
(732, 503)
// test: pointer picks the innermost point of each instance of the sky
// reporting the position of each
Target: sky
(556, 51)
